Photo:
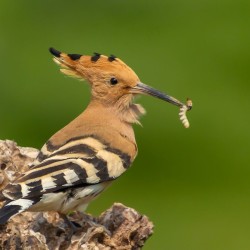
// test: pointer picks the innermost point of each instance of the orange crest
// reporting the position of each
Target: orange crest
(94, 68)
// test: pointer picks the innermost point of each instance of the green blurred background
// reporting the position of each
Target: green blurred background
(192, 183)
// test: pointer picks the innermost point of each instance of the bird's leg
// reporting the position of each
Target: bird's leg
(72, 226)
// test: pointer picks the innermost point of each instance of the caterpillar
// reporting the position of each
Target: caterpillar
(183, 111)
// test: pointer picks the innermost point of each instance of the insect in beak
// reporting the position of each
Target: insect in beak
(142, 88)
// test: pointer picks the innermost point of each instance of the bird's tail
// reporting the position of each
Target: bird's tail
(7, 212)
(12, 208)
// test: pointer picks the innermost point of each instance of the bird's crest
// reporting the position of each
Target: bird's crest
(85, 66)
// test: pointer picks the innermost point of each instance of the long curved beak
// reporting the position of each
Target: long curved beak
(142, 88)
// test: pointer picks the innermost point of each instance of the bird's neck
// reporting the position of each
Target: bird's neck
(113, 118)
(123, 110)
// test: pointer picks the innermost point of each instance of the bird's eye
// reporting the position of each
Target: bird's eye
(113, 81)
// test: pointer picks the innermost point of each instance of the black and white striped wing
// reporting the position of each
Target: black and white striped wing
(78, 163)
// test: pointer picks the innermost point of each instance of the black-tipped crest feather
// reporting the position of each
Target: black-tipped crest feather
(95, 57)
(111, 58)
(55, 52)
(74, 56)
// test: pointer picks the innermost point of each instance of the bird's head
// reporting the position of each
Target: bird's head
(113, 83)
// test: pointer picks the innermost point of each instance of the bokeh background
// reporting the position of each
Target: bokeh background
(192, 183)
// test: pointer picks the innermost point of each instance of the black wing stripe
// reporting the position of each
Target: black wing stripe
(35, 188)
(101, 167)
(73, 141)
(51, 170)
(60, 180)
(126, 159)
(57, 183)
(79, 148)
(46, 163)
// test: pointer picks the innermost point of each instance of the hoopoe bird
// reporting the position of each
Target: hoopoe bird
(78, 162)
